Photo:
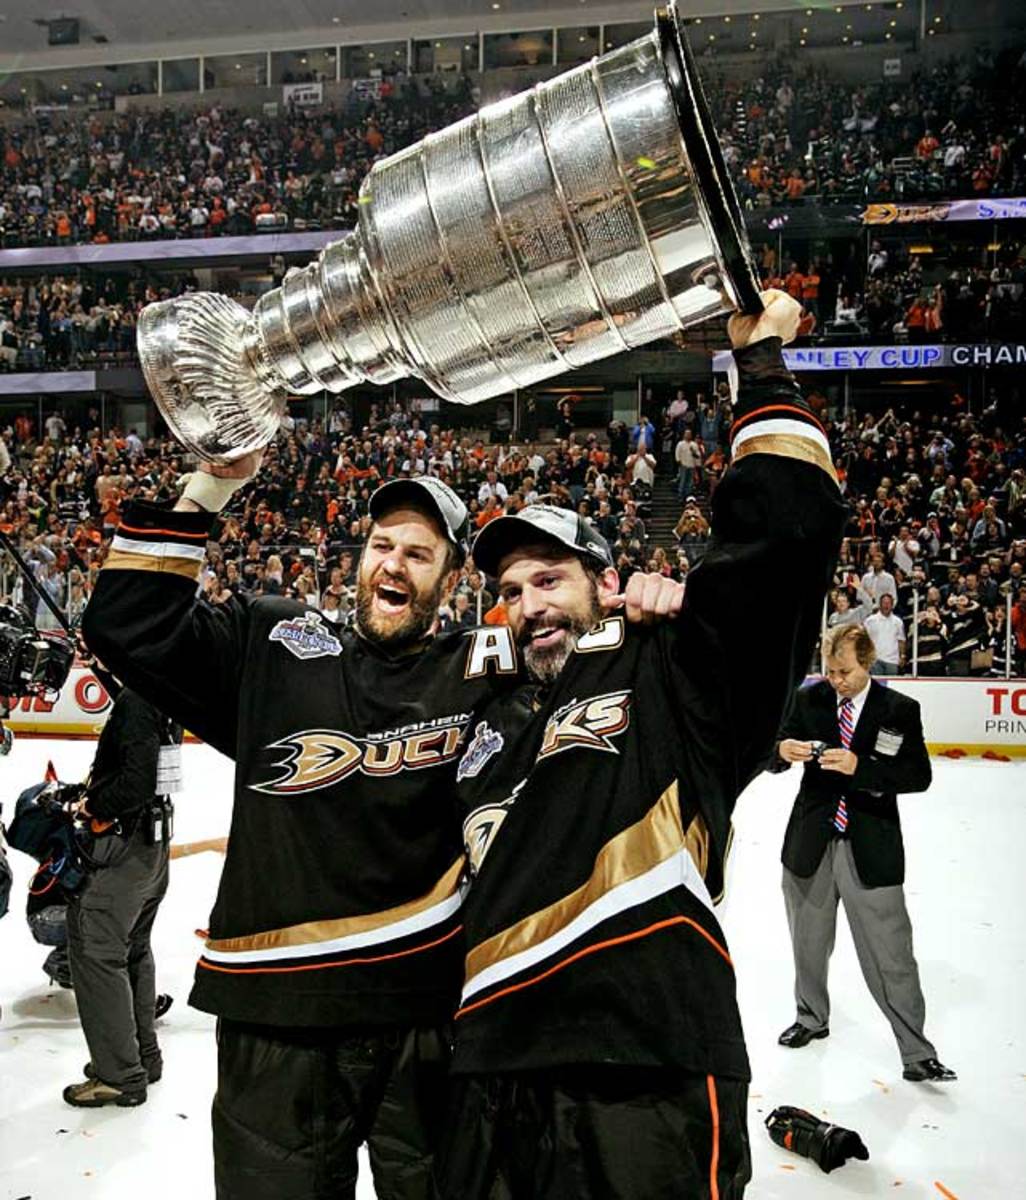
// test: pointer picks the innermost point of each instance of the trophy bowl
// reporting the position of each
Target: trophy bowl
(589, 215)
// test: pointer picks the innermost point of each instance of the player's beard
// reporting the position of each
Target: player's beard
(545, 663)
(404, 629)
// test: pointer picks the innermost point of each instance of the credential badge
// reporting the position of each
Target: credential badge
(306, 637)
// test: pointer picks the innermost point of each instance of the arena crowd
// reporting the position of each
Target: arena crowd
(937, 523)
(792, 135)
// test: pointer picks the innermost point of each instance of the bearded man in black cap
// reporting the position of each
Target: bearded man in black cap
(334, 957)
(599, 1049)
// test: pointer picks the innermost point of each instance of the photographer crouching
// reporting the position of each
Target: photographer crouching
(127, 804)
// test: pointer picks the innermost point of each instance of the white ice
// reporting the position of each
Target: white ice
(964, 840)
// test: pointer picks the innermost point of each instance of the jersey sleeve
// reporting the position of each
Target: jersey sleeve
(146, 623)
(753, 605)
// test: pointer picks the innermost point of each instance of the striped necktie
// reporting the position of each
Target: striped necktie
(846, 726)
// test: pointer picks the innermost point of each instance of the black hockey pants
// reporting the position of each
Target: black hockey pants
(294, 1105)
(596, 1133)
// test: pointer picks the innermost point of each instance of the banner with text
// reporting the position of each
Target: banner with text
(893, 358)
(1011, 209)
(303, 95)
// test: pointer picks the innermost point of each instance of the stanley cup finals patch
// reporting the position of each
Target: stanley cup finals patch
(306, 637)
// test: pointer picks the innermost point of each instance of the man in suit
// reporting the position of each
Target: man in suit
(861, 745)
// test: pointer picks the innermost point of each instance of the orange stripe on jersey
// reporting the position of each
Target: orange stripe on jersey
(776, 408)
(587, 950)
(175, 533)
(714, 1159)
(351, 962)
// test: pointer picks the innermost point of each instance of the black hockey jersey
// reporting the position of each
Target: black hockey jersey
(598, 810)
(340, 898)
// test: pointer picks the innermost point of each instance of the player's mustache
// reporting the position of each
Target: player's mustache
(544, 623)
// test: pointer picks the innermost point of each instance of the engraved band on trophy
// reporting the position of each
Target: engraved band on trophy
(587, 216)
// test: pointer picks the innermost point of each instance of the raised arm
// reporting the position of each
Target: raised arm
(147, 625)
(753, 606)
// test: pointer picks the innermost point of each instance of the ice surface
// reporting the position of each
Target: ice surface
(964, 840)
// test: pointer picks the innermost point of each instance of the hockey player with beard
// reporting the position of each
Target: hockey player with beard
(599, 1050)
(333, 959)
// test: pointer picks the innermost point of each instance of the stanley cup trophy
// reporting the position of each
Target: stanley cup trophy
(582, 218)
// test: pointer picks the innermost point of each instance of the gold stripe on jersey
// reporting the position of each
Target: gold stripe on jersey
(121, 560)
(657, 837)
(312, 933)
(697, 842)
(788, 445)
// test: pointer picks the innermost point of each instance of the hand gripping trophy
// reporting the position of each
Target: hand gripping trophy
(585, 217)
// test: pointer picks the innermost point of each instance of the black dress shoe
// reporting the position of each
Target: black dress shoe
(928, 1070)
(797, 1035)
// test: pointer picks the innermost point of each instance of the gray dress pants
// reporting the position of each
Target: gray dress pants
(882, 933)
(109, 927)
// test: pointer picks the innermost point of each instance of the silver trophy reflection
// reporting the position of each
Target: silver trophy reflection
(587, 216)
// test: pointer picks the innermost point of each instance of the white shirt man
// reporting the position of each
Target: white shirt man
(492, 487)
(642, 468)
(888, 634)
(878, 582)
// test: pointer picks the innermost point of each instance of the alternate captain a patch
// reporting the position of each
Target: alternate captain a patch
(306, 637)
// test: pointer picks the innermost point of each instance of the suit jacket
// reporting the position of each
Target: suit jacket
(889, 745)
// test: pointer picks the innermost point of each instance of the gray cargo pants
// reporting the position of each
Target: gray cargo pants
(109, 927)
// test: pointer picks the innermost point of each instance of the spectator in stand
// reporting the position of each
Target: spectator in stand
(688, 456)
(967, 634)
(887, 632)
(878, 581)
(843, 612)
(929, 637)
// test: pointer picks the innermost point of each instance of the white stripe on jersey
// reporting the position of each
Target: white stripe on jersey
(434, 915)
(159, 549)
(678, 869)
(780, 425)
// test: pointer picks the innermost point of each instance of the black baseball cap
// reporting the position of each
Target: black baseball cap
(560, 525)
(436, 496)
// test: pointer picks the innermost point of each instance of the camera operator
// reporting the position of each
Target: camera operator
(110, 920)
